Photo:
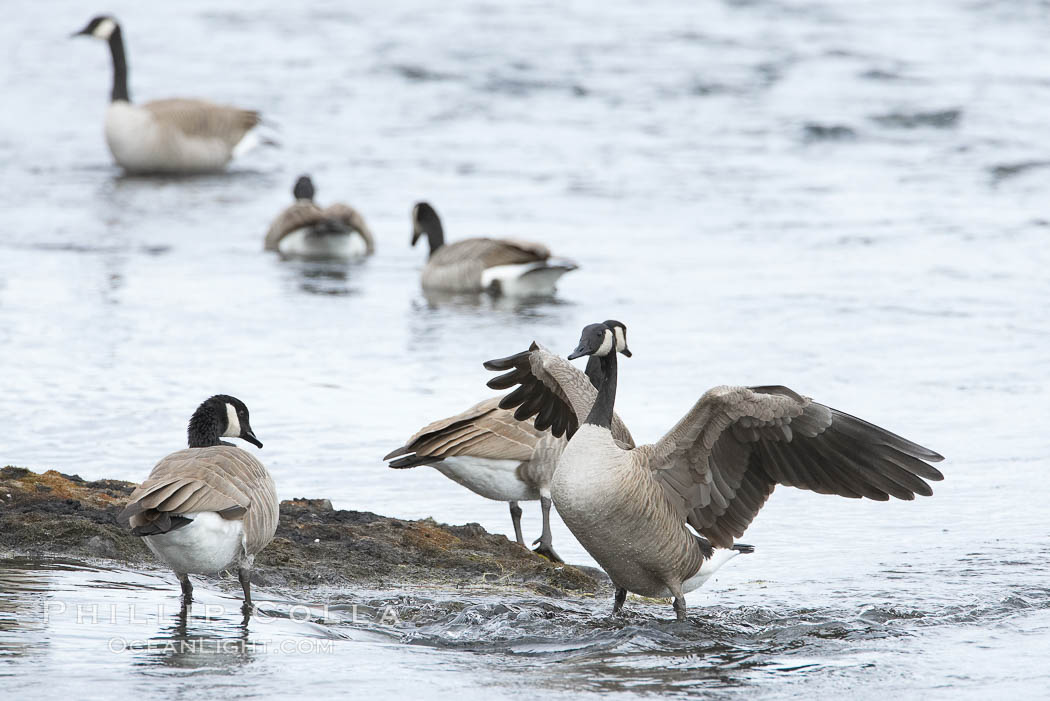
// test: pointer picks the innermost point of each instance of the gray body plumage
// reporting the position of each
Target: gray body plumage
(714, 470)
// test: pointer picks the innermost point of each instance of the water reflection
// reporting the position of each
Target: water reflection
(323, 277)
(198, 642)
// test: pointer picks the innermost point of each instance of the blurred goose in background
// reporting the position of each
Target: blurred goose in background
(167, 136)
(304, 230)
(494, 455)
(500, 266)
(211, 506)
(629, 507)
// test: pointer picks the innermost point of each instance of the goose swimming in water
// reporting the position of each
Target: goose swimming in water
(494, 455)
(630, 506)
(167, 136)
(305, 230)
(211, 506)
(500, 266)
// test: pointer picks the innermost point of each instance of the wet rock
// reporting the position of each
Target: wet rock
(315, 544)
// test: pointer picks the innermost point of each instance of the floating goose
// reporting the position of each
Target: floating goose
(304, 230)
(167, 136)
(494, 455)
(210, 506)
(713, 470)
(500, 266)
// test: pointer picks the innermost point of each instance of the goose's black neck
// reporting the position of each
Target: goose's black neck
(602, 412)
(205, 428)
(436, 237)
(120, 67)
(593, 370)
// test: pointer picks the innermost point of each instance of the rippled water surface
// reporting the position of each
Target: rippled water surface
(847, 198)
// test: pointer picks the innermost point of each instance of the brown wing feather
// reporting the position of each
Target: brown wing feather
(484, 430)
(203, 119)
(721, 462)
(224, 479)
(299, 214)
(552, 389)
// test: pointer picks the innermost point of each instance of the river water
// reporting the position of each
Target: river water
(846, 198)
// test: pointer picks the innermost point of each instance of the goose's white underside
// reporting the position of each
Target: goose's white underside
(522, 280)
(208, 545)
(141, 144)
(301, 243)
(707, 569)
(490, 478)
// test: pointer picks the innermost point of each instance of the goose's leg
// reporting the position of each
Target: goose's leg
(246, 586)
(187, 590)
(621, 596)
(544, 540)
(515, 516)
(679, 600)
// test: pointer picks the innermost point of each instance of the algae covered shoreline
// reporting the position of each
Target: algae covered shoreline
(55, 514)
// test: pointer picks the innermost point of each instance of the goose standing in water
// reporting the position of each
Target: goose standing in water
(500, 266)
(167, 136)
(713, 470)
(305, 230)
(494, 455)
(210, 506)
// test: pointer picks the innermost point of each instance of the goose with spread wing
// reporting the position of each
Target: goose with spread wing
(500, 266)
(713, 471)
(306, 230)
(488, 451)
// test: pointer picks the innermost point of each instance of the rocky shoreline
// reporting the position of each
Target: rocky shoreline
(54, 514)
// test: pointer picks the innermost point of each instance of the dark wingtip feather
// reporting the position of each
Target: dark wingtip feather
(505, 363)
(413, 461)
(397, 451)
(743, 548)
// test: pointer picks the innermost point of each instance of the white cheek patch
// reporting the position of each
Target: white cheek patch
(104, 30)
(606, 346)
(621, 342)
(233, 430)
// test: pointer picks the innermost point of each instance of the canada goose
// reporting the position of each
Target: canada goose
(167, 136)
(494, 455)
(304, 230)
(210, 506)
(713, 470)
(500, 266)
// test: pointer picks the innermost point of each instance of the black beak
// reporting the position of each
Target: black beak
(416, 233)
(81, 33)
(249, 435)
(579, 352)
(627, 351)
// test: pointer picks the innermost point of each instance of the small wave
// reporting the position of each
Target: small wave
(938, 119)
(1005, 171)
(813, 131)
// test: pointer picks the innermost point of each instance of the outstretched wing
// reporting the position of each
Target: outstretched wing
(552, 389)
(482, 431)
(299, 214)
(349, 216)
(721, 462)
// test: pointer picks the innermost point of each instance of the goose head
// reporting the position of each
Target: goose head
(619, 330)
(304, 188)
(220, 416)
(100, 27)
(426, 221)
(597, 340)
